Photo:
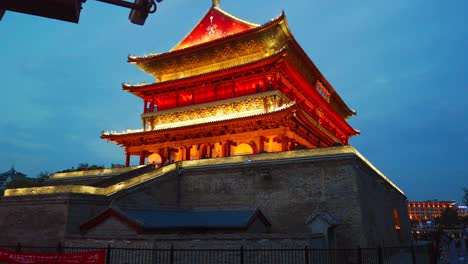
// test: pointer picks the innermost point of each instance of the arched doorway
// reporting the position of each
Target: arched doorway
(157, 159)
(243, 149)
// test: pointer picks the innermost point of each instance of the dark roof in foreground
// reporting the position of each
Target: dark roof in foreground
(325, 215)
(164, 219)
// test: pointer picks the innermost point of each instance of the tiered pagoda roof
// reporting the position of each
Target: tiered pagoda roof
(199, 56)
(289, 116)
(227, 61)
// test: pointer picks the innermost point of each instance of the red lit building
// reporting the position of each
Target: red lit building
(252, 126)
(231, 87)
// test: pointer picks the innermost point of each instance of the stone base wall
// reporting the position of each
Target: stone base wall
(45, 220)
(287, 191)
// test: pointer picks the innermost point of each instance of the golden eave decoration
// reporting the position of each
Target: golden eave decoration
(193, 164)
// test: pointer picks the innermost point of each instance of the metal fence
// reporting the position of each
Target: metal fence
(241, 255)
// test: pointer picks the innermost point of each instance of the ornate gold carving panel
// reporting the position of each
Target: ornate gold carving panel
(225, 55)
(233, 108)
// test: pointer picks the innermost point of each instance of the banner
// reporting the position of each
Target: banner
(12, 257)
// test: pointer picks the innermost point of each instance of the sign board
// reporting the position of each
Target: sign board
(94, 257)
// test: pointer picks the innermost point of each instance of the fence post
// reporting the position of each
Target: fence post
(242, 255)
(59, 248)
(433, 253)
(380, 254)
(108, 254)
(359, 255)
(18, 247)
(306, 255)
(171, 255)
(413, 255)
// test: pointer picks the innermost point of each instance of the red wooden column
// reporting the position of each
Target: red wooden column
(224, 150)
(292, 144)
(261, 144)
(284, 140)
(210, 150)
(167, 154)
(127, 159)
(144, 106)
(187, 152)
(152, 105)
(233, 89)
(227, 148)
(142, 158)
(284, 143)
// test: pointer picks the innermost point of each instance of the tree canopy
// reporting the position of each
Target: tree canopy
(83, 167)
(28, 182)
(448, 218)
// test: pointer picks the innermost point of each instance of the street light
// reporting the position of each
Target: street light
(69, 10)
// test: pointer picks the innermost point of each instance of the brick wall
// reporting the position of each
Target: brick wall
(286, 193)
(33, 220)
(160, 192)
(286, 190)
(377, 200)
(45, 219)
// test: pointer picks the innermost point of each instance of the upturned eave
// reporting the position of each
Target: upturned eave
(206, 45)
(139, 89)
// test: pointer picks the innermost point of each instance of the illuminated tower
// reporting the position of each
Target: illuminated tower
(231, 87)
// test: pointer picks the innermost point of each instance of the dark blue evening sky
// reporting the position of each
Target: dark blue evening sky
(402, 65)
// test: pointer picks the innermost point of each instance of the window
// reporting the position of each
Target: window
(396, 218)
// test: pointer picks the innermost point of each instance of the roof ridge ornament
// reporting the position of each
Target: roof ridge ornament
(215, 3)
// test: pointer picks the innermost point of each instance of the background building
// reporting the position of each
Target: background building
(9, 176)
(429, 210)
(462, 210)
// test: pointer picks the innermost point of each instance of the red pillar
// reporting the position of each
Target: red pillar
(284, 143)
(224, 149)
(187, 152)
(127, 159)
(210, 150)
(142, 158)
(233, 89)
(227, 148)
(261, 144)
(292, 144)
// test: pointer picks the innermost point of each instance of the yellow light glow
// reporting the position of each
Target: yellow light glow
(90, 173)
(245, 106)
(242, 159)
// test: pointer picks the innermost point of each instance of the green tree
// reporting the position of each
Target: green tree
(41, 177)
(464, 220)
(84, 167)
(448, 218)
(21, 183)
(28, 182)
